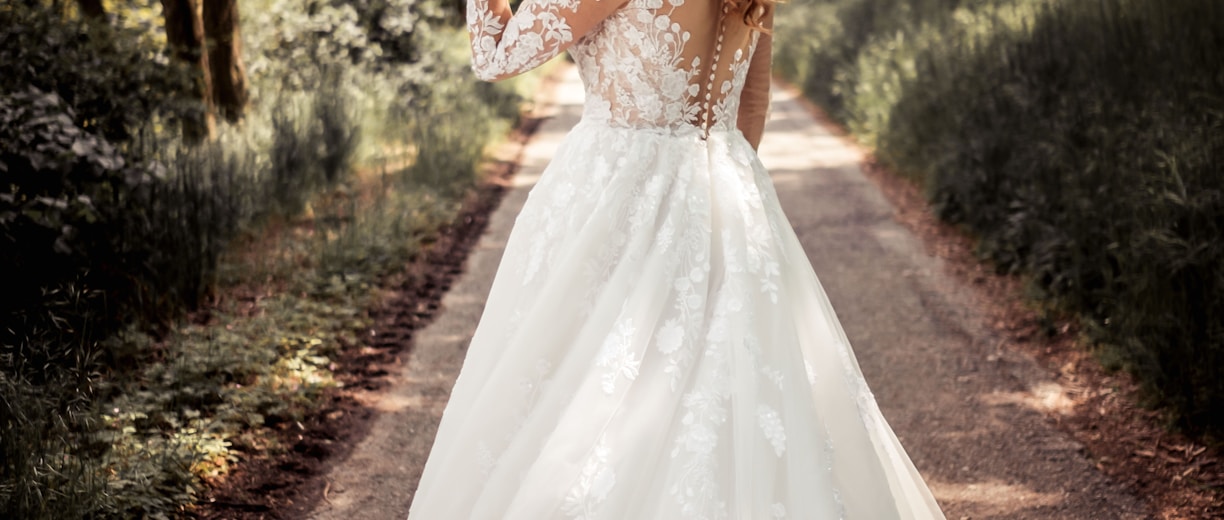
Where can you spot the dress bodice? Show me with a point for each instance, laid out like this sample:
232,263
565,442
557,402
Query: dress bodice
676,65
666,63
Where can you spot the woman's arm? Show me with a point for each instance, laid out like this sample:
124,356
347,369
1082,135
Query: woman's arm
754,101
506,44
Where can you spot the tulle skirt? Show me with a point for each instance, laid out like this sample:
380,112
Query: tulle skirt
657,346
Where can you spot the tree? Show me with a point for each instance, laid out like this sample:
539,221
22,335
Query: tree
205,35
185,36
229,81
92,9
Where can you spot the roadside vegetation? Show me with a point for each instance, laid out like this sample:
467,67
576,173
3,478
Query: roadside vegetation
187,247
1080,142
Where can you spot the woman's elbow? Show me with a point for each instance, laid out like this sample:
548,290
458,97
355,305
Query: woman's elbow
485,72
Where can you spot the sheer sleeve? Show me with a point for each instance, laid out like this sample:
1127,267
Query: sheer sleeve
754,101
506,44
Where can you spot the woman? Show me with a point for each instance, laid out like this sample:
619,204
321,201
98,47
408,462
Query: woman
656,345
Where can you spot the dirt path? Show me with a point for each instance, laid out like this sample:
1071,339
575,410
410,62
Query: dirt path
972,415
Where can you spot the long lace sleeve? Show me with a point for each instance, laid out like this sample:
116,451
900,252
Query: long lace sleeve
754,101
506,44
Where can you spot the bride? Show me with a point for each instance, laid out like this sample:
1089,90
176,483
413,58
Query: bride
655,345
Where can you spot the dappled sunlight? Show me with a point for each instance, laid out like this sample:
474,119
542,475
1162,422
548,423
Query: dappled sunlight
792,143
399,402
788,178
1043,396
456,339
991,498
465,299
525,180
804,151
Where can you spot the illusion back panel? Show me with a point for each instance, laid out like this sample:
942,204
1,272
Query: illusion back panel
667,63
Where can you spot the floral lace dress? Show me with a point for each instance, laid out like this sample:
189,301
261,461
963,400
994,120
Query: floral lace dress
655,345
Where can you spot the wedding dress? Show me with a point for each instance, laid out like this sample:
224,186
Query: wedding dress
655,345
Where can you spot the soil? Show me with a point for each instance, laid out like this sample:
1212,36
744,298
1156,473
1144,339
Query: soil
287,484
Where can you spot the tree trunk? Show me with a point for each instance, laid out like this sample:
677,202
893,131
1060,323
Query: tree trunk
92,9
229,80
185,35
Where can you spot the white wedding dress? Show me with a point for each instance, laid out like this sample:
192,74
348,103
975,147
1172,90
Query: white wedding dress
656,345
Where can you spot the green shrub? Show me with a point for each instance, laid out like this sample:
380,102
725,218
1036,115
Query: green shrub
114,80
1079,141
110,406
58,179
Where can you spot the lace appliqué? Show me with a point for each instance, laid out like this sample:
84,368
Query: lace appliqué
643,73
594,484
771,425
777,511
617,357
541,29
697,492
526,48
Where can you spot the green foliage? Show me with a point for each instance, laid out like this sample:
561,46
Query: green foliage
59,178
93,227
395,27
111,229
220,389
114,80
1080,141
